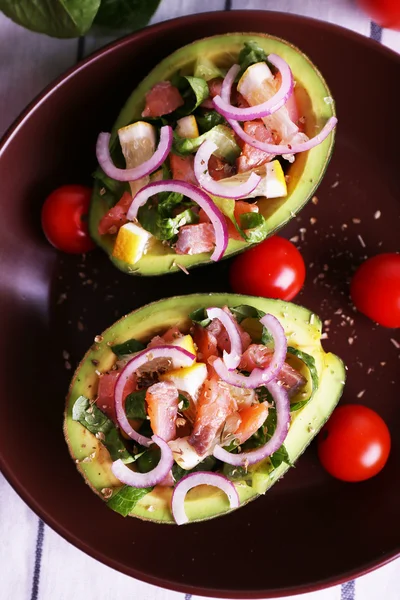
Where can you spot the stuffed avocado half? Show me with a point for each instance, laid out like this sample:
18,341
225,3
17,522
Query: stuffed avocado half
169,377
181,113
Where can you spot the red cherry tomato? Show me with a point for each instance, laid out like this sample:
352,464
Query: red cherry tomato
375,289
64,219
384,12
354,445
273,269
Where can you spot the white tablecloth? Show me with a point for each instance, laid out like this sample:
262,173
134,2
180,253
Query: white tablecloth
35,562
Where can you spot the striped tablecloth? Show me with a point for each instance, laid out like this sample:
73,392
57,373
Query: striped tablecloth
35,562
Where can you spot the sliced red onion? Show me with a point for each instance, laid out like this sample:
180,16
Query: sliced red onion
225,108
175,352
265,147
153,477
259,377
149,166
194,193
232,358
218,188
282,405
193,480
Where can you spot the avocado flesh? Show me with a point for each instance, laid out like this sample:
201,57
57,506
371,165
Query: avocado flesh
202,502
305,173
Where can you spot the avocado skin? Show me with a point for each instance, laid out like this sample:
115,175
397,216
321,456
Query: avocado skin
145,322
305,173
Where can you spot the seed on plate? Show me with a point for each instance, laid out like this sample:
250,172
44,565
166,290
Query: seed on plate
294,239
314,200
356,221
68,365
65,355
98,339
361,241
377,214
313,220
324,336
361,394
395,343
344,226
334,185
350,340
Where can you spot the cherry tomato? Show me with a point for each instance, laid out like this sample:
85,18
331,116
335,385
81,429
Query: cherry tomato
375,289
273,269
354,445
64,219
384,12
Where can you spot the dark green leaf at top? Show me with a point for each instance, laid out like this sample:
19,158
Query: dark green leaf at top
102,427
309,361
244,311
250,55
125,14
164,228
135,405
208,464
57,18
128,347
254,227
126,498
194,90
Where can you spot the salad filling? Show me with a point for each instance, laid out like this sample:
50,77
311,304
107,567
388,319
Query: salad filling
214,398
224,134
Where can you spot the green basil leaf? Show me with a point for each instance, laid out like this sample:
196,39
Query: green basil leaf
167,201
164,228
135,405
184,403
126,14
244,311
254,227
97,422
128,347
206,69
250,55
194,92
126,498
199,316
208,120
309,361
280,456
208,464
58,18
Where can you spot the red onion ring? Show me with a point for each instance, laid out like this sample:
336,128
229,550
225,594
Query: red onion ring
232,358
149,166
184,357
265,147
153,477
194,193
201,478
216,187
259,377
243,459
225,108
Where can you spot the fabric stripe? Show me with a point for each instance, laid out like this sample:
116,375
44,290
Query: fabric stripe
375,32
38,560
81,49
228,4
348,590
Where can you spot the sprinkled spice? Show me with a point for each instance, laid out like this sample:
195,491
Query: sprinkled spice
361,241
314,200
395,343
377,215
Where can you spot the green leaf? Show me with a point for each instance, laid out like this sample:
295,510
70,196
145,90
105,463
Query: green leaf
194,91
184,403
236,473
254,227
250,55
126,14
309,361
57,18
164,228
221,135
135,406
97,422
149,459
125,500
128,347
209,120
167,202
199,316
280,456
208,464
244,311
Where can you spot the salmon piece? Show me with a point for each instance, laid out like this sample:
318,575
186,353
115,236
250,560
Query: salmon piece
205,341
195,239
252,157
162,407
172,334
203,216
241,207
162,99
182,168
219,168
116,216
105,392
252,418
213,407
259,356
219,331
214,86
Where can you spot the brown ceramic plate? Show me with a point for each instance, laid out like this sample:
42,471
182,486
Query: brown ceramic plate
309,531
